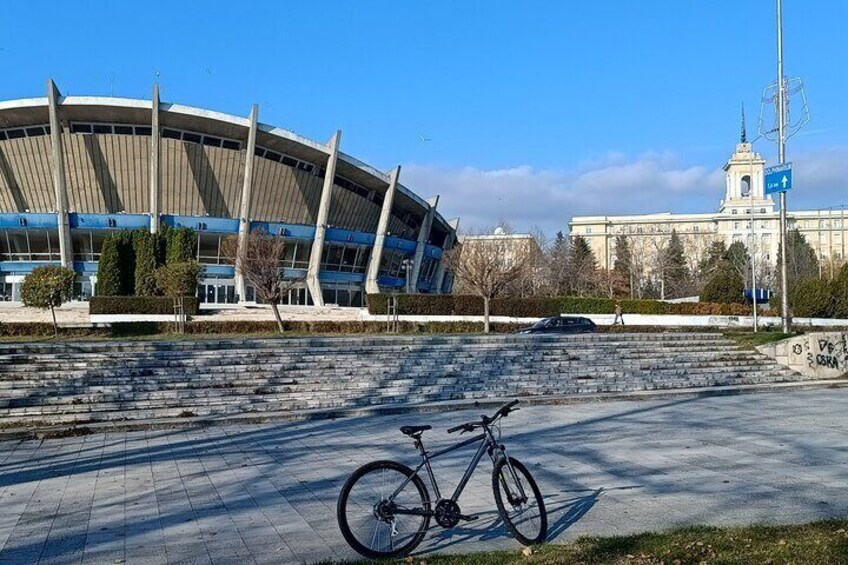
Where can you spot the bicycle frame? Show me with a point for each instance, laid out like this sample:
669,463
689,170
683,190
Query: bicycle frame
487,443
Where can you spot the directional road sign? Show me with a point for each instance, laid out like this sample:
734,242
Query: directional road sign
778,178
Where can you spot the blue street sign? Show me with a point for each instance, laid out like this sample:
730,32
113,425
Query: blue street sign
778,178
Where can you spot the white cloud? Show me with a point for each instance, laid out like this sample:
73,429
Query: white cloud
611,184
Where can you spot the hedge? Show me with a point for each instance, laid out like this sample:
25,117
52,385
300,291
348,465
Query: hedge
135,329
138,305
269,329
468,305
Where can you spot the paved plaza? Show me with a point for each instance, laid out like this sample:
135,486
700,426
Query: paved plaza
267,493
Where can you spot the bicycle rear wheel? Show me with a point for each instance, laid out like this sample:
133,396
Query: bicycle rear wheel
519,501
376,524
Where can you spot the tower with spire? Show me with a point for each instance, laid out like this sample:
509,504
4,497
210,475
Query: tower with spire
744,179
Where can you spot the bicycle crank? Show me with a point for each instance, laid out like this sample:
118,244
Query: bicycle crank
448,514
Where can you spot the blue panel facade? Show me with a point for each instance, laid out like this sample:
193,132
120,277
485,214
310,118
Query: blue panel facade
343,277
23,267
109,221
203,223
85,267
334,280
219,270
390,281
350,236
406,245
298,231
28,220
433,252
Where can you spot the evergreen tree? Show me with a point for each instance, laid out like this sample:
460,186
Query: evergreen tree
840,293
144,245
801,263
181,245
738,258
560,266
675,272
724,287
711,261
109,267
126,257
583,266
622,268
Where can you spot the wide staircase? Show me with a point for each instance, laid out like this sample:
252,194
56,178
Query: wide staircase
129,382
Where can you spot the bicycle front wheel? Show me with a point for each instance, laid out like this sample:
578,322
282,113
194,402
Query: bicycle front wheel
373,521
519,501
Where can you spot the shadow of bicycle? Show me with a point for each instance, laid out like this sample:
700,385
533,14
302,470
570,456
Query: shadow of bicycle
564,510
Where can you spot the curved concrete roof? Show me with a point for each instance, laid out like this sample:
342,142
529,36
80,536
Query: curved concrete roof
178,116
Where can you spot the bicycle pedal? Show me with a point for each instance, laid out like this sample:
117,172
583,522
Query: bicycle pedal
468,518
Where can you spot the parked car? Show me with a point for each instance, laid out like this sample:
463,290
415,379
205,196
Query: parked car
561,325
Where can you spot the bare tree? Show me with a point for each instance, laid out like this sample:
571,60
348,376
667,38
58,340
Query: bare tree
261,265
487,267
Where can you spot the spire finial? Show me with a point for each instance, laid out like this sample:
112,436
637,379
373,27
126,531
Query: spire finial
744,133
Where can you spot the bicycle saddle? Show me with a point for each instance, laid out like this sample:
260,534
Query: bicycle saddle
413,431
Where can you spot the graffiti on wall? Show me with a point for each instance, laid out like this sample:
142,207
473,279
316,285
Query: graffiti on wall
823,351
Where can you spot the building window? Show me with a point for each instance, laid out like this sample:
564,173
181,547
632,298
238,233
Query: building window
588,230
30,131
345,257
29,245
216,248
286,160
734,211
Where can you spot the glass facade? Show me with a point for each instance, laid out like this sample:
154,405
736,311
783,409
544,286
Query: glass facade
29,245
345,257
343,294
216,248
34,245
392,263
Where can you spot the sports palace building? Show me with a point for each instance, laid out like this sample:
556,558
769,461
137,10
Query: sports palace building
74,168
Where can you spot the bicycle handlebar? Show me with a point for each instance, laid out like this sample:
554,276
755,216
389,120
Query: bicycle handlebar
485,420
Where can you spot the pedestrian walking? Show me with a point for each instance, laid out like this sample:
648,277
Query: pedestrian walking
618,315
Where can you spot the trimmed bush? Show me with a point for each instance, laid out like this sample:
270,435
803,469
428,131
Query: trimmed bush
839,287
48,287
139,305
181,245
467,305
109,268
144,245
812,298
725,286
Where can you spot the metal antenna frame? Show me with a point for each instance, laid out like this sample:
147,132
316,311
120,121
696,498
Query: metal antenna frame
791,86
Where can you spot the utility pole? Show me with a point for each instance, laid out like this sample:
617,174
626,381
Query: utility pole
781,149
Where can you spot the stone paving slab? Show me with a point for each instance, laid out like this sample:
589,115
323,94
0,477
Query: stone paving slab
266,493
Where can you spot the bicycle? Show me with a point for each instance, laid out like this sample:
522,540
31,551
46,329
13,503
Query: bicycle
384,508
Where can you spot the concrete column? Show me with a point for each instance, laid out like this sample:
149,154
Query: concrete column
154,162
439,275
312,282
244,208
373,273
58,166
423,238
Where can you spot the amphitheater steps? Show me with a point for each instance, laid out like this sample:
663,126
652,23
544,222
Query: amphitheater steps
115,382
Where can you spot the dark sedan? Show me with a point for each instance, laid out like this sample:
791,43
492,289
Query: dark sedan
561,325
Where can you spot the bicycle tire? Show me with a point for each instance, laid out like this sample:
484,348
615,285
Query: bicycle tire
498,485
342,510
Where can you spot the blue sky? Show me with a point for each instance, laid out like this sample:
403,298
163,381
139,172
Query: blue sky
535,111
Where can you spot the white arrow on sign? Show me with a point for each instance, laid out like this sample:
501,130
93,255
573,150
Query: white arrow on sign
784,181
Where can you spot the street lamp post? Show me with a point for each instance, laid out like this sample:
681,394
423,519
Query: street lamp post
781,146
407,265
